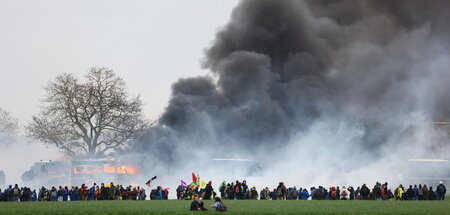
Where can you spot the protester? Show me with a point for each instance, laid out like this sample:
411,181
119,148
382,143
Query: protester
344,193
281,191
264,194
440,191
304,194
253,193
219,205
197,204
431,194
364,192
399,192
209,191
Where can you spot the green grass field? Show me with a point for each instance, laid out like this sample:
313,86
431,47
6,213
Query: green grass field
235,207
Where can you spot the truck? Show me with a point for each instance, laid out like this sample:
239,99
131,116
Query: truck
78,172
89,171
46,173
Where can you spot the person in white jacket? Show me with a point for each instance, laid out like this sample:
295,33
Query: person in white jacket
344,193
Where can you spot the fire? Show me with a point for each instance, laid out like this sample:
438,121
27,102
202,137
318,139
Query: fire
109,169
130,169
86,170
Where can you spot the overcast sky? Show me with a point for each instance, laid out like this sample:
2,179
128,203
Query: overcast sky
150,44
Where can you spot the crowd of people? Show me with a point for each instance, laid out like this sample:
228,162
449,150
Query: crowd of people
231,191
241,191
82,193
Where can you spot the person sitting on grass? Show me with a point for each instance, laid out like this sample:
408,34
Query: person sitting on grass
197,204
219,205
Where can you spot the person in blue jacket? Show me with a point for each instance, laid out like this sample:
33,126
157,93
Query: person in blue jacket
34,196
66,194
92,192
304,195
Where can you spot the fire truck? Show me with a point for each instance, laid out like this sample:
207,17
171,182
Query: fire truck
100,170
77,172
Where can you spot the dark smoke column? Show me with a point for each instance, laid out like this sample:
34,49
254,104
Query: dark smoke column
279,67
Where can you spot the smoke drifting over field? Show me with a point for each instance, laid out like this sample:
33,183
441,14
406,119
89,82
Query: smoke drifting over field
317,91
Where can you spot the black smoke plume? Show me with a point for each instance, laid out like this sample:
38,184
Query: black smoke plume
322,81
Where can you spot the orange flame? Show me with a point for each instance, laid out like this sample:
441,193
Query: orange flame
130,169
109,169
86,170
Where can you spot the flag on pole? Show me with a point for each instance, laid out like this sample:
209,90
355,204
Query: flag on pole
148,183
183,183
194,178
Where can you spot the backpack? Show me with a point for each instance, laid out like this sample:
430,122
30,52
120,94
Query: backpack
280,192
223,207
16,191
333,194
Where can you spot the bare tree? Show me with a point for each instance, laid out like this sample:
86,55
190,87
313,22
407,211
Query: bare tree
88,118
8,127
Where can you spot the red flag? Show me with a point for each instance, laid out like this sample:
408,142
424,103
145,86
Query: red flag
194,178
148,182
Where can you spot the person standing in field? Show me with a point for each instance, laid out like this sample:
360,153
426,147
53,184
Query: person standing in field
351,190
304,195
416,192
384,191
264,194
84,192
53,194
222,189
253,193
399,192
66,194
92,192
365,191
431,194
420,192
208,190
230,191
244,189
358,193
16,193
410,193
237,190
281,191
112,191
60,194
440,191
344,193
